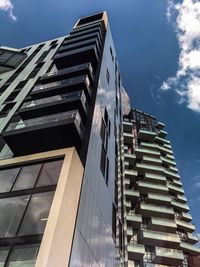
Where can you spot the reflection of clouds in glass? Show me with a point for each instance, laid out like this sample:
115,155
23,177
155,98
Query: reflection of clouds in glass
7,178
12,210
38,210
103,98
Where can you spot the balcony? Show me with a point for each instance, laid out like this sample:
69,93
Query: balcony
181,198
186,217
130,158
151,160
161,140
85,32
154,238
152,177
70,47
162,134
168,256
185,226
127,126
146,135
62,87
145,187
128,138
158,199
150,210
71,72
140,152
135,251
171,175
77,56
162,225
44,133
149,146
10,58
131,194
142,168
127,183
175,189
55,104
90,26
173,169
180,206
170,157
186,247
165,150
131,174
134,220
192,239
168,162
72,39
177,183
160,125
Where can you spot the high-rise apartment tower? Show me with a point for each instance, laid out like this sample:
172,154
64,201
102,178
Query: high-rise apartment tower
76,187
157,228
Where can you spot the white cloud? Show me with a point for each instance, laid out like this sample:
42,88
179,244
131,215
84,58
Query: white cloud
186,82
197,185
7,6
170,7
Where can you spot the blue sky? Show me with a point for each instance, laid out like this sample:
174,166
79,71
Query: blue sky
158,47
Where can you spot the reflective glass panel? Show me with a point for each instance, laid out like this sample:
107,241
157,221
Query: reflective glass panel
27,177
3,256
50,173
11,210
37,214
7,178
23,256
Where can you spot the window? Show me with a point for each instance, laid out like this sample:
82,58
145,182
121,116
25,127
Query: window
35,70
114,222
104,133
12,209
107,76
107,170
103,160
23,256
42,57
7,178
37,213
3,256
111,53
50,173
27,177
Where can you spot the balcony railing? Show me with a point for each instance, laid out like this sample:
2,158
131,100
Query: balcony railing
66,82
52,99
154,238
69,70
135,251
146,135
155,177
192,250
155,210
146,187
44,120
189,227
142,151
165,225
168,256
158,198
134,220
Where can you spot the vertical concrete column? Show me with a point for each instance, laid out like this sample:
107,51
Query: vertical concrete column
57,240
